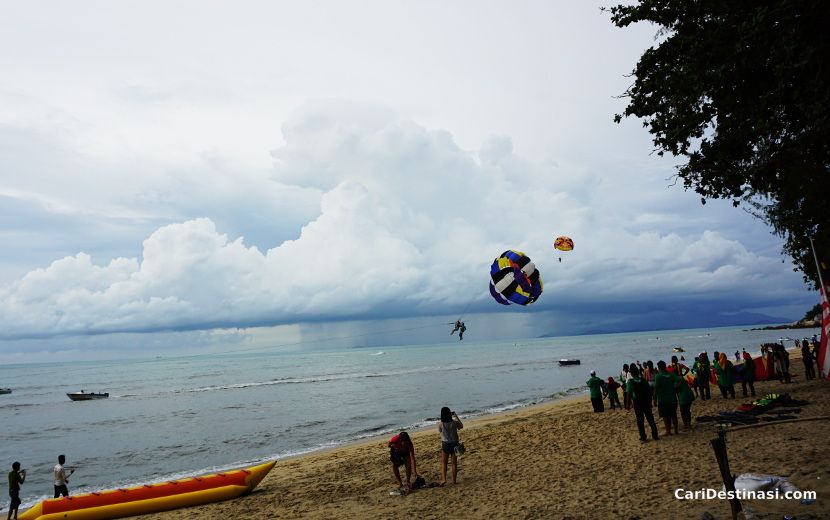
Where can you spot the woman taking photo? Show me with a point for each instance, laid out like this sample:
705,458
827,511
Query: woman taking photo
449,426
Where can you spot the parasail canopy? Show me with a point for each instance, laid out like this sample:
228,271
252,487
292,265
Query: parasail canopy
563,244
514,279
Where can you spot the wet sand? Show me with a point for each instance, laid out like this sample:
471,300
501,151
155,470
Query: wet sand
558,460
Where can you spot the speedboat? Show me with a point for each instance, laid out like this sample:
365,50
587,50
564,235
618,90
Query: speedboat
5,390
677,349
87,396
566,362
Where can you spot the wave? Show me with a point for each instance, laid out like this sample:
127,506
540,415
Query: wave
337,376
378,353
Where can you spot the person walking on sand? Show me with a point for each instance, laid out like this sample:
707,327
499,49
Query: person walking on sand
402,453
640,393
726,377
595,386
61,477
449,426
17,476
665,386
613,398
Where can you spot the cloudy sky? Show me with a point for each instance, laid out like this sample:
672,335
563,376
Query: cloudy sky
198,176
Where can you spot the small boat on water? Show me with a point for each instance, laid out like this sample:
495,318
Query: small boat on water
87,396
677,349
151,498
566,362
5,390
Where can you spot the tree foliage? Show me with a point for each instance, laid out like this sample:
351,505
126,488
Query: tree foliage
741,91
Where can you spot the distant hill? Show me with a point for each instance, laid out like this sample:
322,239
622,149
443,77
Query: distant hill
672,321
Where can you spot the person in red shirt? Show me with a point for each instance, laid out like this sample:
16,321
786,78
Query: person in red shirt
402,453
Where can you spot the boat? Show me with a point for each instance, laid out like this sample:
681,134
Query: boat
677,349
566,362
87,396
5,390
151,498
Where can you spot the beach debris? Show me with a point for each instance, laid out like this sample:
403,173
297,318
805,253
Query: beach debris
759,482
514,279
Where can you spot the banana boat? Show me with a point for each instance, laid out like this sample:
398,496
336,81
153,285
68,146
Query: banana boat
151,498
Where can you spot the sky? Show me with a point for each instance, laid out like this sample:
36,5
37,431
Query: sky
189,177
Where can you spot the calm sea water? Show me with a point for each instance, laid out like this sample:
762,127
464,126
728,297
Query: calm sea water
172,417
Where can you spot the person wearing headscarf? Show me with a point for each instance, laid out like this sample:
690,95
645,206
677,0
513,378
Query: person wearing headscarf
726,378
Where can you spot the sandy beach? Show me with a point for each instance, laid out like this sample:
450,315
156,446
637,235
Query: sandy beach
557,460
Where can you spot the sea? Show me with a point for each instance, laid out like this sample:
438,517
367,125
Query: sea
171,417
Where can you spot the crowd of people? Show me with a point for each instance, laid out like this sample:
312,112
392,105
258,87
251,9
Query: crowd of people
675,386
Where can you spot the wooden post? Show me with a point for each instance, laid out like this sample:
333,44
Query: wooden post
719,447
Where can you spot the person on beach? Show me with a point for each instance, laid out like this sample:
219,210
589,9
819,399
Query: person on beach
17,476
595,386
726,378
704,375
807,359
648,374
625,375
665,386
748,374
613,398
449,426
640,393
61,477
677,367
695,376
402,453
781,362
685,398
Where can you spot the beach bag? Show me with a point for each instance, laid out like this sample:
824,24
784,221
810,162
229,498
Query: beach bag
459,449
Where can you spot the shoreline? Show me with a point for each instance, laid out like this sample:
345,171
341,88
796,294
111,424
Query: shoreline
554,460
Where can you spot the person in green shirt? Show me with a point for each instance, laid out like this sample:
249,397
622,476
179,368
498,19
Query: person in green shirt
665,386
726,377
640,392
685,397
595,385
16,477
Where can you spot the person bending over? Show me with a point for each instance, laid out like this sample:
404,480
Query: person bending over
402,453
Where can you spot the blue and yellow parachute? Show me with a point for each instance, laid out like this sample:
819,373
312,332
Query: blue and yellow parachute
514,279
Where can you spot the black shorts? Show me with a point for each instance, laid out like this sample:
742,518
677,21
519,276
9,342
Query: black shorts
15,496
448,447
667,409
61,490
398,459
